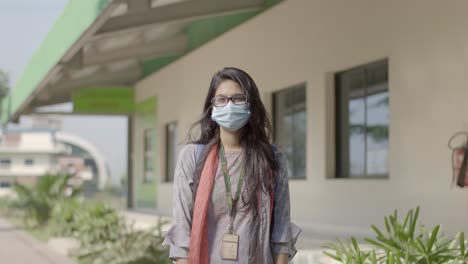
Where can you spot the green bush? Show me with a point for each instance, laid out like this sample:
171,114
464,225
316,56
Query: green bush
64,217
132,246
96,223
403,242
87,222
104,236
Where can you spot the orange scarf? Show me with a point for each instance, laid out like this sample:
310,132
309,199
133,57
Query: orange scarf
198,249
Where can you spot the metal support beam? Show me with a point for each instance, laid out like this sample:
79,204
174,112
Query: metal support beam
148,50
74,62
122,77
178,12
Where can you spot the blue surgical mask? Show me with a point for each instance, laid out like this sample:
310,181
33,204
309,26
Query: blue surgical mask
231,117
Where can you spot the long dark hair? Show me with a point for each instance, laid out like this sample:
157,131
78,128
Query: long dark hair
258,157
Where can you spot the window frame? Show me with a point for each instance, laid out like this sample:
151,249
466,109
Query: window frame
169,169
29,162
338,125
148,153
5,163
275,112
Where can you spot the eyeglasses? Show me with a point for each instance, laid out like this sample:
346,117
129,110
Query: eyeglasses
221,100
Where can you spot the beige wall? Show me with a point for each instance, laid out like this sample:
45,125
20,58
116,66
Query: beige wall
41,164
297,41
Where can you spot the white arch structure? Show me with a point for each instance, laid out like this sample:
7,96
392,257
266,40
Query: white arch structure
103,173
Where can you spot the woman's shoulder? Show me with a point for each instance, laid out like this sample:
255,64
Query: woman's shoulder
186,161
189,150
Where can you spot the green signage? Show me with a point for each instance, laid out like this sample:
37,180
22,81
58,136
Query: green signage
104,100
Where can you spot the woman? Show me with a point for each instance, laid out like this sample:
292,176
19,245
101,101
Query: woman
231,192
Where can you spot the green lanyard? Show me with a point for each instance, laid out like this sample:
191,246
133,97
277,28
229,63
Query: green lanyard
231,203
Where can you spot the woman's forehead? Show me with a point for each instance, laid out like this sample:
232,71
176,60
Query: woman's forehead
228,88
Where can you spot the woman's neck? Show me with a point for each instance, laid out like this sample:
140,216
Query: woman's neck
230,140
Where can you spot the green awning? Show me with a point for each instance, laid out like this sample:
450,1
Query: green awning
115,43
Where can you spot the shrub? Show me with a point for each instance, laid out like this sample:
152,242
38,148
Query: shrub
132,246
104,236
404,242
87,222
97,222
64,217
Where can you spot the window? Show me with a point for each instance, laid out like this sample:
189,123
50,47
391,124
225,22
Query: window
28,162
289,117
171,149
362,121
148,155
5,163
5,184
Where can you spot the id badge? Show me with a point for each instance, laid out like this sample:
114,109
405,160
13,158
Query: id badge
230,246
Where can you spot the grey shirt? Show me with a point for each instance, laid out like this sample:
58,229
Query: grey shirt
281,239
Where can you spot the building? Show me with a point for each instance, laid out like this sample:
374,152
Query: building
364,95
26,154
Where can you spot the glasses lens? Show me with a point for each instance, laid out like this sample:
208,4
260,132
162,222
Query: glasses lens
220,100
239,99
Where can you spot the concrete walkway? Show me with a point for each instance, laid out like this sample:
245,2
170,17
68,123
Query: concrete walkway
18,247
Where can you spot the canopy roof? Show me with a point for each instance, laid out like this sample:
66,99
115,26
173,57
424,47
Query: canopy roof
114,43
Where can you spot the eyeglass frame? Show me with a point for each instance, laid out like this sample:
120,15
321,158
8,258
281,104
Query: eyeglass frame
229,99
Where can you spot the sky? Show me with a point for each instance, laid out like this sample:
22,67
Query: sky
23,26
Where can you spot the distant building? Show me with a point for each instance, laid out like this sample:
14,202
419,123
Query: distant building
26,154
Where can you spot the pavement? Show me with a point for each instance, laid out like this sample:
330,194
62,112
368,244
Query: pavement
18,247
